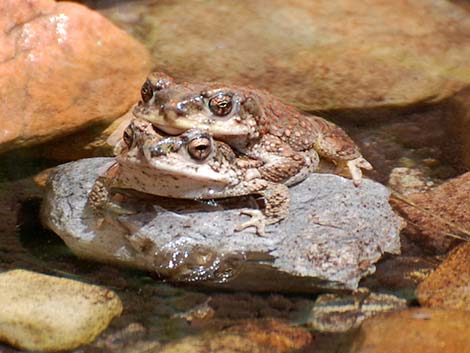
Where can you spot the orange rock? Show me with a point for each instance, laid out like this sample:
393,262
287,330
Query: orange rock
420,330
437,217
449,285
63,67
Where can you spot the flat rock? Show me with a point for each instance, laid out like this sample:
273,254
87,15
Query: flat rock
333,236
63,67
46,313
318,55
418,330
438,219
449,285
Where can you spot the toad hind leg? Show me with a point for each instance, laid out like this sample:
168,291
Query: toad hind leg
354,166
333,143
277,202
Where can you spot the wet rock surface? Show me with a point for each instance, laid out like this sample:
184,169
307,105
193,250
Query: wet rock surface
328,241
438,219
414,330
449,285
45,313
63,67
319,55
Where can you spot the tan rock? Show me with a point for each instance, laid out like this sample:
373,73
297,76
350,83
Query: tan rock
440,218
63,67
319,55
449,285
45,313
419,330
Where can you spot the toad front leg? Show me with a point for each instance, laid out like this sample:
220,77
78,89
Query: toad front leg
277,200
100,200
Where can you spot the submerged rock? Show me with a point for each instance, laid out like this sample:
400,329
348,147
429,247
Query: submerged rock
45,313
334,234
269,336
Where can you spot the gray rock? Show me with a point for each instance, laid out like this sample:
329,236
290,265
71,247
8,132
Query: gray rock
334,234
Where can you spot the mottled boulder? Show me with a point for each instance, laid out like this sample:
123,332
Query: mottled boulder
333,236
449,285
63,67
318,55
46,313
438,219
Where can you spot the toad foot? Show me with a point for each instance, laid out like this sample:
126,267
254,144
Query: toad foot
354,166
258,220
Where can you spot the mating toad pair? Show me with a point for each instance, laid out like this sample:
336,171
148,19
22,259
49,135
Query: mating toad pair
209,141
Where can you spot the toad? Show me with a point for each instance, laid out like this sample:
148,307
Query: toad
252,122
191,165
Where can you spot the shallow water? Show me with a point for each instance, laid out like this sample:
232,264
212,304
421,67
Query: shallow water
419,137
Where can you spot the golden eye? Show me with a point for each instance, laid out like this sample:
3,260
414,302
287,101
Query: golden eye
200,148
128,136
147,91
221,104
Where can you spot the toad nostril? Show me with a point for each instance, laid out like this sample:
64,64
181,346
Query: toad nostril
171,111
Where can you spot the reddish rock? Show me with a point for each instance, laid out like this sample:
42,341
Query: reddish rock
438,218
62,67
449,285
420,330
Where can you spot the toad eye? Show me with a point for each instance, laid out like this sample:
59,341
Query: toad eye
146,91
221,104
128,136
200,148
